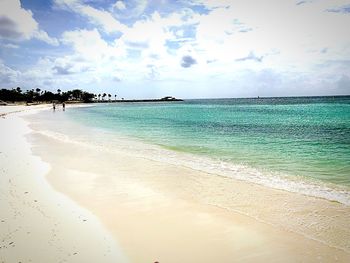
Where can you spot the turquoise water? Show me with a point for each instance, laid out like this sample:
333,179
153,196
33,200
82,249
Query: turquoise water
300,137
296,144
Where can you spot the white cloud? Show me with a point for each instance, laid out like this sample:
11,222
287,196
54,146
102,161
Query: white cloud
286,35
140,51
92,59
129,9
17,23
119,5
156,32
89,45
43,36
101,18
10,46
8,76
67,4
211,4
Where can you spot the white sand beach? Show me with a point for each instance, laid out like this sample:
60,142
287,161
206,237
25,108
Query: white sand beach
174,131
67,202
38,224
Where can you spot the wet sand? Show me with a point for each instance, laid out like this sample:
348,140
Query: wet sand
170,213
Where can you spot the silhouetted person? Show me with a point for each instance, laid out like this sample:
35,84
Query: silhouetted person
53,106
64,106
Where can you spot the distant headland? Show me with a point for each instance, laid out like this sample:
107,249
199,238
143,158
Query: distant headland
36,96
164,99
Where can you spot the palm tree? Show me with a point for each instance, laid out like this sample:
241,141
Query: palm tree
77,94
103,96
99,96
37,93
59,91
19,90
109,96
115,97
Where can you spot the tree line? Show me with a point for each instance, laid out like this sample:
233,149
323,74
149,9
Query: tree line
38,95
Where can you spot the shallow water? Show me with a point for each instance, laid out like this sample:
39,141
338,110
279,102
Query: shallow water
296,144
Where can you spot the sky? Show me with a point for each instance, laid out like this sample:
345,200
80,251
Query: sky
181,48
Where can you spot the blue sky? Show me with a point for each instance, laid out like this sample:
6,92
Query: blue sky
187,49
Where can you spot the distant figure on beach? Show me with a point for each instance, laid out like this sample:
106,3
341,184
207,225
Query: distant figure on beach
63,106
53,106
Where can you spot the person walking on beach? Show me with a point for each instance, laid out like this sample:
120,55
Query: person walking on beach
53,106
63,106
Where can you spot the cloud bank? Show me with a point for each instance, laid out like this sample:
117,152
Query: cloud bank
197,48
18,24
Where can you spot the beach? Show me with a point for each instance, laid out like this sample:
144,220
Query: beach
166,131
38,224
128,207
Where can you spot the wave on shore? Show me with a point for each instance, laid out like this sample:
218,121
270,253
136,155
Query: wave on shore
218,167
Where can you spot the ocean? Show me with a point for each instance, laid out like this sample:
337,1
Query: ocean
298,144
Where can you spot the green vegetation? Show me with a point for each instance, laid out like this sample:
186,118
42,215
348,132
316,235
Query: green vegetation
38,95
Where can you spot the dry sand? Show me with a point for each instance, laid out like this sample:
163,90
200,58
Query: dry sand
38,224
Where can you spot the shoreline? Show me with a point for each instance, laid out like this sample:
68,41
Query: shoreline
165,196
309,187
39,224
